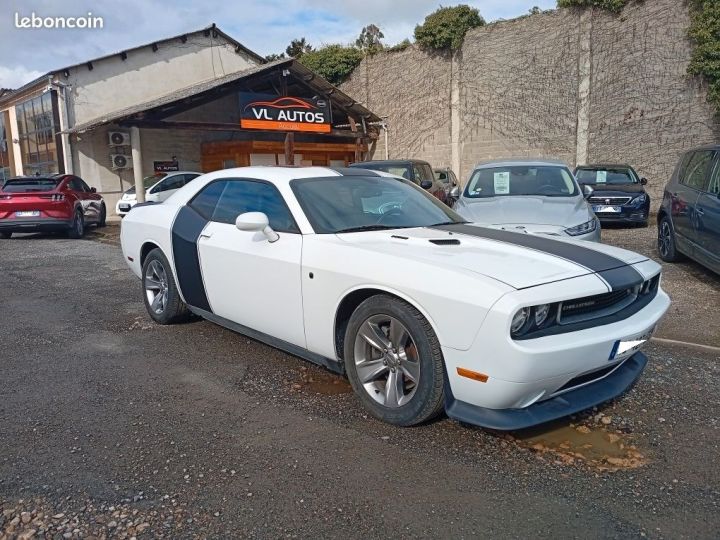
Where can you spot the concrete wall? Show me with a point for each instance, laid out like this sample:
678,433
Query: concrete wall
578,85
146,75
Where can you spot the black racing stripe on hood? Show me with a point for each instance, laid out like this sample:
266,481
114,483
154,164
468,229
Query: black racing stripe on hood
618,274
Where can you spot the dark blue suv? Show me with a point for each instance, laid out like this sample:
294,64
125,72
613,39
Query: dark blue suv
689,218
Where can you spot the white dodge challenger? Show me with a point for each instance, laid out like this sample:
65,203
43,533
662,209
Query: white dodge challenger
370,276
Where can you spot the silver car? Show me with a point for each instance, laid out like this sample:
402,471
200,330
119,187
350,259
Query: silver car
532,196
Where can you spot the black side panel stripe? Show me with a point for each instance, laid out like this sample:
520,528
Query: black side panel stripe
617,273
185,234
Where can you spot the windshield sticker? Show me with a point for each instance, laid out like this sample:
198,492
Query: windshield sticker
502,183
601,177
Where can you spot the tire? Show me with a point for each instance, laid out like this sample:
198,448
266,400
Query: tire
103,217
77,229
417,356
667,248
158,280
6,235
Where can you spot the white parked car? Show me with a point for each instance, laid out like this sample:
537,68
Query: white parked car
350,269
531,196
158,187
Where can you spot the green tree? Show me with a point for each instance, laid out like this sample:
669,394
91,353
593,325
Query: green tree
610,5
298,47
333,62
446,27
404,44
535,10
705,34
369,39
273,57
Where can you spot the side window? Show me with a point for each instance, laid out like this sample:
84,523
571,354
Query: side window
75,185
240,196
714,187
695,170
428,173
85,187
204,203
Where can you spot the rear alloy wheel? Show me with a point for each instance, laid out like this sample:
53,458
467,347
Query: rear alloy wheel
77,229
5,235
162,299
393,361
666,241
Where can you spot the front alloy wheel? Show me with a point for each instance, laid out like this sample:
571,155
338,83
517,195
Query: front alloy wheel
666,241
386,361
162,298
394,362
156,286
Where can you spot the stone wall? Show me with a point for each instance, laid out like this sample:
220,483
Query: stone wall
576,85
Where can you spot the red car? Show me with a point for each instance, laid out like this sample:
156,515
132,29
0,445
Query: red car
58,202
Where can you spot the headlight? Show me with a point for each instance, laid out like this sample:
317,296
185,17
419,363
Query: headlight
519,320
541,314
583,228
640,199
530,319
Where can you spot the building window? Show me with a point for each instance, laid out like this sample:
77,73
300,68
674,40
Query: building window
36,131
5,171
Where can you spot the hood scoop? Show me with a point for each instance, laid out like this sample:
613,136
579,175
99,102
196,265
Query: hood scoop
445,241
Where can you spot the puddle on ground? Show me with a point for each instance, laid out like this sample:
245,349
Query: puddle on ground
321,382
593,446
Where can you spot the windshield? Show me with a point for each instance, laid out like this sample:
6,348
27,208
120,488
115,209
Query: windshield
352,203
149,181
522,180
606,176
25,185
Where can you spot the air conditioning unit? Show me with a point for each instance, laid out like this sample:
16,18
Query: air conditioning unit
119,138
121,161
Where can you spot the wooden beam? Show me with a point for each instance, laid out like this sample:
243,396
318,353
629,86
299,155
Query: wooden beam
290,148
221,126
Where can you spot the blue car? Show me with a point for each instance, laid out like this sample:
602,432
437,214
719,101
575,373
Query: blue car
689,217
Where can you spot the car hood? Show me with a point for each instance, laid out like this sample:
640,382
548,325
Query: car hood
561,212
511,263
617,189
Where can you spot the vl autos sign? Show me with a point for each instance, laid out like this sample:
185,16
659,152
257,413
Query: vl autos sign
284,113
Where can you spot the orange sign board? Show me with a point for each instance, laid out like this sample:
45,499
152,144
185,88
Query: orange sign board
284,126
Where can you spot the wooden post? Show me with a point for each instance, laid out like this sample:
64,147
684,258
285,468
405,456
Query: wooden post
290,148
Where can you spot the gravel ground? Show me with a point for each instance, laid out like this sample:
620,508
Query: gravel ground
111,426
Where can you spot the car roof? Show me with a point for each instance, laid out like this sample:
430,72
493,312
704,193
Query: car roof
388,162
605,166
515,162
283,175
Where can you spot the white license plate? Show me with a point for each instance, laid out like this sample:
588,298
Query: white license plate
27,213
625,348
124,207
607,209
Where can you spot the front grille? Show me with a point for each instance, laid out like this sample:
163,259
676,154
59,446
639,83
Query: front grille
610,201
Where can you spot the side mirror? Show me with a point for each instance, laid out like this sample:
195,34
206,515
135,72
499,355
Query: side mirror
93,190
643,181
426,184
588,191
256,222
455,192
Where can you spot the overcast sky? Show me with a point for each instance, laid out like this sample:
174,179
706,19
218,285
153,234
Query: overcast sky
265,26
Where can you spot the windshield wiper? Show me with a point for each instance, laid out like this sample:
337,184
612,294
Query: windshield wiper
447,223
370,228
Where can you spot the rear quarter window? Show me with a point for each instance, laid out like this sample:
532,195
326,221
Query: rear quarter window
695,168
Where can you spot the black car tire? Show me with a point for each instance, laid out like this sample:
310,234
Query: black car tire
6,235
175,310
103,217
667,248
77,229
428,398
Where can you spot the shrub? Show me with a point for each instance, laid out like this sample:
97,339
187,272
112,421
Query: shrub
611,5
333,62
705,33
446,27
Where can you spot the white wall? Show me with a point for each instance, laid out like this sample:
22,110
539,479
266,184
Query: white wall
114,84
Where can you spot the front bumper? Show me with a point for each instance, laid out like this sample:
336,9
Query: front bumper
627,214
613,385
34,225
